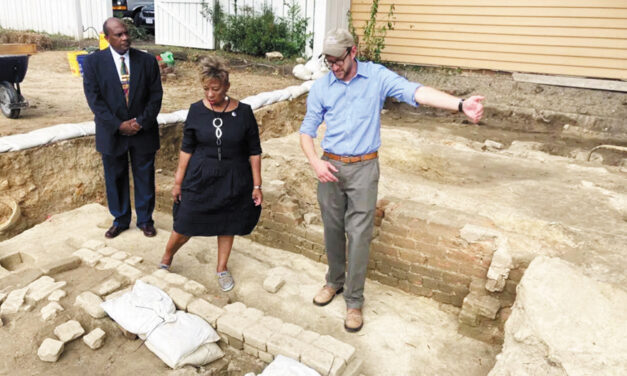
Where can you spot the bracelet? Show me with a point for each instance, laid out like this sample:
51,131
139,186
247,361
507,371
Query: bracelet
460,106
257,187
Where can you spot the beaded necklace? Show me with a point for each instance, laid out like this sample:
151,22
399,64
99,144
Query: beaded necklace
217,124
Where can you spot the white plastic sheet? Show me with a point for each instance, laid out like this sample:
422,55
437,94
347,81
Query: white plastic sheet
284,366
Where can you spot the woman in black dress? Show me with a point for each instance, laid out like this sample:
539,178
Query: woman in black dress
217,185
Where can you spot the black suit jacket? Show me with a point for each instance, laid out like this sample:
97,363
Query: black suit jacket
105,97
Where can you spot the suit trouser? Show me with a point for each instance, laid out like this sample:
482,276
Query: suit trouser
348,208
118,191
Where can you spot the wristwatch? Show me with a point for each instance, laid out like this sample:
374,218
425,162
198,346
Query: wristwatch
257,187
460,106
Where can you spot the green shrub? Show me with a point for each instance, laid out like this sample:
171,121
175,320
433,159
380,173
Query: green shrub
256,33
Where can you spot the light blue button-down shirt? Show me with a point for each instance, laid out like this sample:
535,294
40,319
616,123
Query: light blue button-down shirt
352,110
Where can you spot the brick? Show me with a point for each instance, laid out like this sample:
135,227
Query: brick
175,279
318,359
129,272
353,368
484,305
119,255
313,255
399,274
194,287
412,256
273,283
180,298
266,356
280,344
41,288
436,284
117,294
420,290
315,233
93,244
13,302
160,273
95,338
56,295
248,349
287,219
87,256
332,345
237,307
235,342
272,323
308,336
50,310
455,278
107,263
253,314
291,330
50,350
134,260
107,287
383,278
338,367
384,248
233,324
69,331
443,297
206,310
61,265
107,251
257,335
154,281
90,303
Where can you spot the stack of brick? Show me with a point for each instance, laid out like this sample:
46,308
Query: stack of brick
167,72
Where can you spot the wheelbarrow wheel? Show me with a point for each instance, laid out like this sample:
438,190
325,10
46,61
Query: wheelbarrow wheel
8,95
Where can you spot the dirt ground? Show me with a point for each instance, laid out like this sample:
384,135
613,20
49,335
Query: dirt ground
56,96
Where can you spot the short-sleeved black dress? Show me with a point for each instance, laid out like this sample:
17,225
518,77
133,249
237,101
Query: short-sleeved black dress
216,195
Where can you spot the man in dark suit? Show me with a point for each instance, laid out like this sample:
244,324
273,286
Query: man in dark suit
123,90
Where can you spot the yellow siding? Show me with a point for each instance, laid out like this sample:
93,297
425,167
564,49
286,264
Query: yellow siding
568,37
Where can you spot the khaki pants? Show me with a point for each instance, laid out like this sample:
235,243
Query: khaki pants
348,208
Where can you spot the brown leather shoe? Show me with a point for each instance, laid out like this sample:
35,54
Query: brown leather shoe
149,230
114,231
354,320
326,295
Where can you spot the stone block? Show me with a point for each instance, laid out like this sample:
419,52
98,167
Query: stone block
119,255
290,329
233,324
157,282
68,331
129,272
338,367
257,335
107,263
107,251
318,359
3,295
180,298
107,287
118,293
484,305
273,283
57,295
50,350
272,323
41,288
14,301
266,356
353,368
88,256
308,336
134,260
95,339
160,273
175,279
206,310
93,244
248,349
284,345
90,302
332,345
235,343
62,265
236,307
194,287
253,314
50,310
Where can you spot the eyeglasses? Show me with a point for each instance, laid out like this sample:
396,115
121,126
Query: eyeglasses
339,62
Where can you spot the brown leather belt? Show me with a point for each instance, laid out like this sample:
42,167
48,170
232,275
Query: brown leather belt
351,159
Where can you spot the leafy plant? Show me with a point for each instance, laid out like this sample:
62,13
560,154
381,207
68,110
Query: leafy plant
373,41
256,33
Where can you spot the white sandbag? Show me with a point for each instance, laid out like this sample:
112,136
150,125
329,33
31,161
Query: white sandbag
205,354
284,366
282,95
318,74
253,101
175,340
308,84
172,117
314,65
299,71
142,309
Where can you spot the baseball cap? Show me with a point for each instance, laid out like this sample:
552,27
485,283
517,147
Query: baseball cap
336,42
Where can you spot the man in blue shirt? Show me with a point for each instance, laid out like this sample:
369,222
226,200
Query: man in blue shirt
349,100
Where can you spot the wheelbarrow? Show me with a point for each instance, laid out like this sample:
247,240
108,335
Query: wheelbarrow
12,71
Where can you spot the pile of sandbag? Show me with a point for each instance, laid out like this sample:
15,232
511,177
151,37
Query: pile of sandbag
312,70
176,337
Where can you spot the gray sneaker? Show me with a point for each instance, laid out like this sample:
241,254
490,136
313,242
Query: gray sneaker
225,280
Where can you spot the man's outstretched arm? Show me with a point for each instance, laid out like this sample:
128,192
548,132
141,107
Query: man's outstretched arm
472,107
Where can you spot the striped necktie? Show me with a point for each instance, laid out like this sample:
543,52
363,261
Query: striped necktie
124,78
